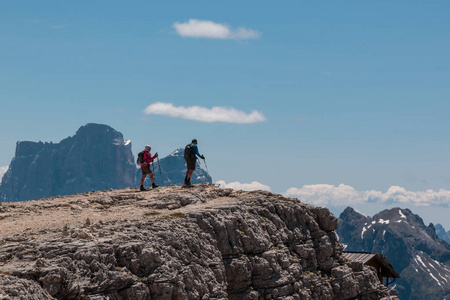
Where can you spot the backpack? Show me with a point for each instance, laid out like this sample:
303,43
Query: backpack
140,159
189,151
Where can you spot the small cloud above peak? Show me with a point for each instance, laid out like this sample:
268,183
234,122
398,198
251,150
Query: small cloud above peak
204,114
208,29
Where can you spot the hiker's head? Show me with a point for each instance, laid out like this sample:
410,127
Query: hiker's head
194,141
148,148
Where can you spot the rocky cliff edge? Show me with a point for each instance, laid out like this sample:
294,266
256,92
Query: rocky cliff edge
176,243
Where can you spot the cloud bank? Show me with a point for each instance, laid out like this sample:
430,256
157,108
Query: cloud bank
210,30
343,195
243,186
203,114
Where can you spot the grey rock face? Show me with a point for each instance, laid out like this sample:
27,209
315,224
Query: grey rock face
199,243
414,250
95,158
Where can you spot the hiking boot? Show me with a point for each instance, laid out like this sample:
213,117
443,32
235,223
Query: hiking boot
142,188
154,185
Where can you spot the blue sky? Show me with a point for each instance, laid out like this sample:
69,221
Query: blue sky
351,98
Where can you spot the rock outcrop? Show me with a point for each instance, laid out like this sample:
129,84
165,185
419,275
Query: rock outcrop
176,243
96,158
415,251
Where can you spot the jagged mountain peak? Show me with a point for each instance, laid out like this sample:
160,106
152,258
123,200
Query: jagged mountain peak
415,251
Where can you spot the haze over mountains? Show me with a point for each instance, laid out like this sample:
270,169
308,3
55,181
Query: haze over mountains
414,249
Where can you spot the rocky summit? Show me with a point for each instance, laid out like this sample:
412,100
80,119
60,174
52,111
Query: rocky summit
176,243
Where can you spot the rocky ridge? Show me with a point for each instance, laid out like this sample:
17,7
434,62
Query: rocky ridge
176,243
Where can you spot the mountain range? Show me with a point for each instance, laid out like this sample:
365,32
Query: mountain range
96,158
415,251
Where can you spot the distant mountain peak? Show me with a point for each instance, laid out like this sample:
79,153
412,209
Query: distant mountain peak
96,158
415,251
442,234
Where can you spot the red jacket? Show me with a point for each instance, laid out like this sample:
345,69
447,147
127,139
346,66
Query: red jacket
148,158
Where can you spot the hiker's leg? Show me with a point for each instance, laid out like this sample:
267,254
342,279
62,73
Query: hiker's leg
191,167
152,178
143,178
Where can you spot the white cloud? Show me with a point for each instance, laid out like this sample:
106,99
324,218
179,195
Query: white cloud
243,186
208,29
325,194
203,114
341,195
2,172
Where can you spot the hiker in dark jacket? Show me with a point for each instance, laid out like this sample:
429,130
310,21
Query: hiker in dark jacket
145,167
190,155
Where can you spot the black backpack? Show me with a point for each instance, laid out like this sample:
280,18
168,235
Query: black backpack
140,159
189,151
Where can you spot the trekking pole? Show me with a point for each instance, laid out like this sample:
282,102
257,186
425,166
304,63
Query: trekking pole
207,171
159,167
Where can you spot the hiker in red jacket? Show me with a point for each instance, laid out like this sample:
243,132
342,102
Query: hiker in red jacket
145,167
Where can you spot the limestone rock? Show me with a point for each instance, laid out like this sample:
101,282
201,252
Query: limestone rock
173,243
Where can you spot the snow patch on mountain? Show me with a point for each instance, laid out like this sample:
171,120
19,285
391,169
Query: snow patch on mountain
362,232
2,172
176,152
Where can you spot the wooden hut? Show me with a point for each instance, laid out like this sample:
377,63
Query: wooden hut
379,262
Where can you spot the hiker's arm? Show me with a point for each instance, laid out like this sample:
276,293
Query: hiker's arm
196,151
148,157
